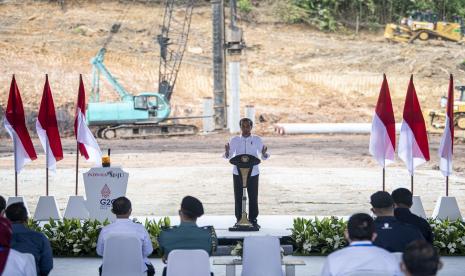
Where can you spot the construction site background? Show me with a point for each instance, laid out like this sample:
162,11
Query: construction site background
290,72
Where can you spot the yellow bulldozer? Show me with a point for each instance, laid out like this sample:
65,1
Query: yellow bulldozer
437,118
424,26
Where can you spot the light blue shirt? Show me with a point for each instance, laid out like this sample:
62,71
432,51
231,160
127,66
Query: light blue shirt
126,226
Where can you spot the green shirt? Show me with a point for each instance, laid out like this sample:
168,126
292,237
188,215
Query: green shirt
187,235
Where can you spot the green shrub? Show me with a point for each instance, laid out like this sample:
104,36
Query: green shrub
154,228
244,6
315,236
449,236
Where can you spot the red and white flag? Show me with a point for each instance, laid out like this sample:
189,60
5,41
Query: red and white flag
413,140
447,141
88,146
15,124
383,128
47,128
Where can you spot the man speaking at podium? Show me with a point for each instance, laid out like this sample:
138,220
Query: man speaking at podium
246,143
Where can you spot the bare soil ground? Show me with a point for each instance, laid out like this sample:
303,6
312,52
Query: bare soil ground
306,175
291,73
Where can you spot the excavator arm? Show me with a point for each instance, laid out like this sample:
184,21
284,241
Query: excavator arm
99,68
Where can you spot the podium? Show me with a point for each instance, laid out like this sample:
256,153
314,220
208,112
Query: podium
103,186
244,164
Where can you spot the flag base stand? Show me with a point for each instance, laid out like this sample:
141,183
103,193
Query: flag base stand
15,199
447,208
76,208
47,208
417,207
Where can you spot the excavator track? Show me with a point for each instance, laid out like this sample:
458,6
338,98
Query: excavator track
144,131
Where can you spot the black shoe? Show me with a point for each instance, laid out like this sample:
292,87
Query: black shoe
256,225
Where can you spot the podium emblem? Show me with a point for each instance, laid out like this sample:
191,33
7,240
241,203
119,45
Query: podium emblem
106,192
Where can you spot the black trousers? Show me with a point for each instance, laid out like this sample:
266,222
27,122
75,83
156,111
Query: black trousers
150,270
252,191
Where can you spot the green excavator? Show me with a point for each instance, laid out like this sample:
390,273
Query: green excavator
148,113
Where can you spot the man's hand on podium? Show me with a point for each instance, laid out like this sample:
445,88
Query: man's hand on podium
226,150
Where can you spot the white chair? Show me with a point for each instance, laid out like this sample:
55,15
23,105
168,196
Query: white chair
122,256
261,257
368,273
188,263
31,264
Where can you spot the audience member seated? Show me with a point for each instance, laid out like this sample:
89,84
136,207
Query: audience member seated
12,262
403,202
420,259
122,209
392,234
2,206
361,255
26,240
188,235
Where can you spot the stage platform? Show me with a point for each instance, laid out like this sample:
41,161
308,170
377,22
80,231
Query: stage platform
278,226
271,225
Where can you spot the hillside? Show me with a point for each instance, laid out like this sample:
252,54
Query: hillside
291,73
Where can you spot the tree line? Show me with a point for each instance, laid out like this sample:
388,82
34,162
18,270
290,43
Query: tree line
333,14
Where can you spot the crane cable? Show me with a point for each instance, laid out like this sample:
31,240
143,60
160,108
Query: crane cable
122,18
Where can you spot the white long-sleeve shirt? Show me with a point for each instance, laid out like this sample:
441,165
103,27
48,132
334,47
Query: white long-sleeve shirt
252,145
126,226
360,256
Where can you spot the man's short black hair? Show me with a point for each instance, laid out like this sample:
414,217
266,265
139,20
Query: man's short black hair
361,227
121,206
402,196
192,207
16,212
381,200
246,120
421,259
2,204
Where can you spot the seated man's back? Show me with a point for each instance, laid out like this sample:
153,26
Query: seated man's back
122,208
360,256
403,201
393,235
186,236
26,240
126,226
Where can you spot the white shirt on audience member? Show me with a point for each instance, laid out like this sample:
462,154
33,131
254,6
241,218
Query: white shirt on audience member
17,265
360,255
252,145
126,226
